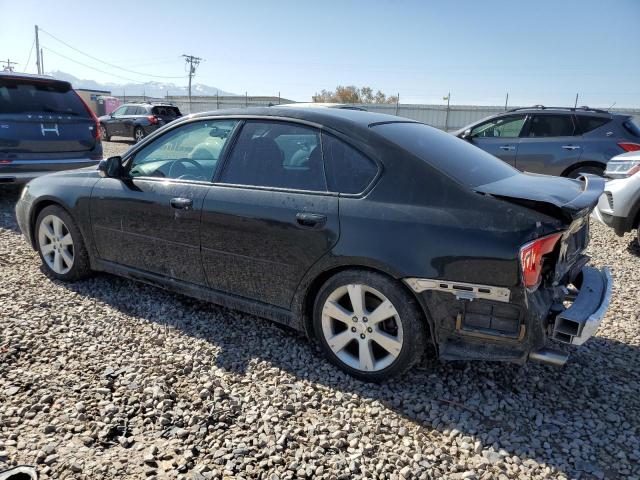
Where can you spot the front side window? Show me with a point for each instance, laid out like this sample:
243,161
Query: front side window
551,126
189,152
504,127
276,154
118,112
348,171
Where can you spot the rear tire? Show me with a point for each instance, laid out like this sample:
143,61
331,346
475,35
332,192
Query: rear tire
138,134
103,134
576,172
60,245
376,342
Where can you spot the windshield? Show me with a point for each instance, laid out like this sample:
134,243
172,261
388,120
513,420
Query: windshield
20,96
460,160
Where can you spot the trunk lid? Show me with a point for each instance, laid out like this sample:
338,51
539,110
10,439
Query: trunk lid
563,198
41,116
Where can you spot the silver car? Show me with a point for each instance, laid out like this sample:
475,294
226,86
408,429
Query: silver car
619,205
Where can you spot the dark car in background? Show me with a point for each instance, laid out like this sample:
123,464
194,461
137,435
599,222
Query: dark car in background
44,127
555,141
374,234
137,120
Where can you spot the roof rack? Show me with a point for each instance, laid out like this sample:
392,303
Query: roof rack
572,109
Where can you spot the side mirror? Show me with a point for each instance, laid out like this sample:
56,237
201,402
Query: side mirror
111,167
466,135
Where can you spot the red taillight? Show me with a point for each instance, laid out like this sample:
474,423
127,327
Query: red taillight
531,258
629,146
4,161
96,128
153,119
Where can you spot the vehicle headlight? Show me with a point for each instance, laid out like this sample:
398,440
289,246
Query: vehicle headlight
622,168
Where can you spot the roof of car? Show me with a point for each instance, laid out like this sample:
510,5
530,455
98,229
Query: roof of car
542,108
30,76
347,106
338,118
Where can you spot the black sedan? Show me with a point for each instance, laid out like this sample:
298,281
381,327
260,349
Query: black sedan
373,234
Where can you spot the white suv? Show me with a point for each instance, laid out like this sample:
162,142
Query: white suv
619,205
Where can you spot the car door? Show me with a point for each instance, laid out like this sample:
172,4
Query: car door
268,218
114,122
499,136
150,219
550,145
129,118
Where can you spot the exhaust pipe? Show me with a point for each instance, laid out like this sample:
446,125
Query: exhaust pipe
549,357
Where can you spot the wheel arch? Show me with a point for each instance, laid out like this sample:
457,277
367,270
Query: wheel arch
40,205
587,163
303,304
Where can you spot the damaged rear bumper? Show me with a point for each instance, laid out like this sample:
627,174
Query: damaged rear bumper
579,322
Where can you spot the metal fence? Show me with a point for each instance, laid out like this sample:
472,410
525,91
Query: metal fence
453,118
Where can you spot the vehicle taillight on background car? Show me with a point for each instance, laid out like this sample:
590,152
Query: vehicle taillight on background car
96,128
531,255
153,119
629,146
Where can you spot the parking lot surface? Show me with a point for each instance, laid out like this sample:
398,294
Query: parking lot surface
107,378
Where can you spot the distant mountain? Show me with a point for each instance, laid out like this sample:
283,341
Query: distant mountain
150,89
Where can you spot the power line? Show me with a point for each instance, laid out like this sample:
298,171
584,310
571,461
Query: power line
26,65
106,63
91,67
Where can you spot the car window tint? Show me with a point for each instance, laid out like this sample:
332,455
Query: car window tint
166,111
348,171
131,110
276,154
589,123
506,127
189,152
119,111
20,96
551,126
141,111
458,159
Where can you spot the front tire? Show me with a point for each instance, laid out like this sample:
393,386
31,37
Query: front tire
368,325
60,245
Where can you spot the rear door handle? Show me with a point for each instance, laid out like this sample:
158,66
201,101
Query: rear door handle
570,147
311,220
182,203
507,147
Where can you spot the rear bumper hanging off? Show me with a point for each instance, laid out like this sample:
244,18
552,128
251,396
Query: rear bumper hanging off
579,322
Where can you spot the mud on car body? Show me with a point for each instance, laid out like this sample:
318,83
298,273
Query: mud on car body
374,234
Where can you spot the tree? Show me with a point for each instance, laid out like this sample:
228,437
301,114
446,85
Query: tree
353,94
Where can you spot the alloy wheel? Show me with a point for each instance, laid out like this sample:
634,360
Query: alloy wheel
139,134
56,244
103,132
362,327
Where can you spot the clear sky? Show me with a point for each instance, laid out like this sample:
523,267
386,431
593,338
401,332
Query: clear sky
541,51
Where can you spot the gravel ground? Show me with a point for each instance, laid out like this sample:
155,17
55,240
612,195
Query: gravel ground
107,378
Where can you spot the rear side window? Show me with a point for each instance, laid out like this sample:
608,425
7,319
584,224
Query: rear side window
276,154
632,127
552,126
348,171
589,123
166,111
20,96
458,159
131,110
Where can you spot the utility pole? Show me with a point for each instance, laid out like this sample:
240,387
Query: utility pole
506,101
446,118
193,63
397,102
41,62
8,65
38,52
575,105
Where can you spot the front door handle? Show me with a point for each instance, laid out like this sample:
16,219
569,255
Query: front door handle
310,220
570,147
182,203
508,148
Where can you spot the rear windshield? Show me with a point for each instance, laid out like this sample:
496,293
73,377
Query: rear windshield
20,96
632,127
457,158
166,111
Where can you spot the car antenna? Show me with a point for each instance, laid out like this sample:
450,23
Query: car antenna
611,106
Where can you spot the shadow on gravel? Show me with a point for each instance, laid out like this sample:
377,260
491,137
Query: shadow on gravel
9,195
550,415
634,246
